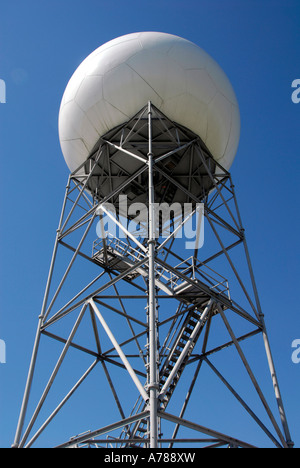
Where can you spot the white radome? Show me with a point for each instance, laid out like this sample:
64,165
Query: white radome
119,78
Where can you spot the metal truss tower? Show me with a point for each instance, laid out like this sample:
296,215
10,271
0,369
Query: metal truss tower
155,316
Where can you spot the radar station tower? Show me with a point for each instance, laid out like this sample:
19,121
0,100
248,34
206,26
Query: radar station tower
150,286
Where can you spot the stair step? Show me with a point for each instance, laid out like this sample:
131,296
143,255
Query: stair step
142,429
180,344
195,315
185,337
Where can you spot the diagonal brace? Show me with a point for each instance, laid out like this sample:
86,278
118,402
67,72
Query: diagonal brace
119,351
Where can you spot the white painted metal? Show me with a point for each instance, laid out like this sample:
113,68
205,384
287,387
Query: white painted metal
198,295
119,351
113,83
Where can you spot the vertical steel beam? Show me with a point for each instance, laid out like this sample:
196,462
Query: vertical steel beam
152,306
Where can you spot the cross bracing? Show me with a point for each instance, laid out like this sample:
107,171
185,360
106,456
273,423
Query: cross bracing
145,307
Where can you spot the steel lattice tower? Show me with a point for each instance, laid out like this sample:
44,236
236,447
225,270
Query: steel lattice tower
154,309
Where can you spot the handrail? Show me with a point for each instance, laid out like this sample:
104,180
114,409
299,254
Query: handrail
192,267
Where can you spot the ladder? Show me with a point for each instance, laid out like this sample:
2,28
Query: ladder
175,362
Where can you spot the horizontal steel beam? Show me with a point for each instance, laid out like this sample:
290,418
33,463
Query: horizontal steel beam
123,422
204,430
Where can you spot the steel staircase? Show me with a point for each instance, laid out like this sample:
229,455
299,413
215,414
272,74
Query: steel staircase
195,285
174,364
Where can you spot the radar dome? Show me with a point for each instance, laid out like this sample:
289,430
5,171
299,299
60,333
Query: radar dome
119,78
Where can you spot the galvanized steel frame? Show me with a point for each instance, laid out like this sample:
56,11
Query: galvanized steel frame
153,392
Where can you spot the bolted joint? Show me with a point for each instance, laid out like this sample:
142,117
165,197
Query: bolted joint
153,386
151,241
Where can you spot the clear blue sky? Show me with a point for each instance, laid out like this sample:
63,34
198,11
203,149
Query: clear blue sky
257,43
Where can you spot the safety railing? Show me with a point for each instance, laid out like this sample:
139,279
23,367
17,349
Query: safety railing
191,268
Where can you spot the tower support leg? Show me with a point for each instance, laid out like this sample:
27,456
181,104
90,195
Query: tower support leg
152,305
38,332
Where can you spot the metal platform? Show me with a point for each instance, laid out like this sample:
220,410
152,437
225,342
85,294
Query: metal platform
179,154
190,280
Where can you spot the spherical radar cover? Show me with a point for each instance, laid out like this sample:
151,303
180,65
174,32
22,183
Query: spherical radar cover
119,78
